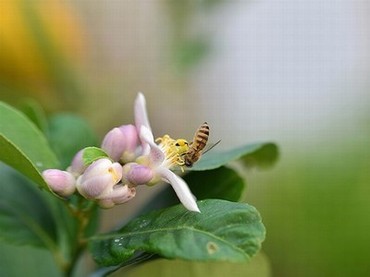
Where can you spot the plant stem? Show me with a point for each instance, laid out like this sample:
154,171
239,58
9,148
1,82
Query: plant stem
82,216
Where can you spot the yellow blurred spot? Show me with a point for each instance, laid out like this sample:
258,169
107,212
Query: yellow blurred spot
23,62
212,247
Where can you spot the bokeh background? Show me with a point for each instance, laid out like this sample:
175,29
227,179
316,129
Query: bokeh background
293,72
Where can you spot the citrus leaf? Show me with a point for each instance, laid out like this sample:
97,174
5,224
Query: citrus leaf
259,266
91,154
223,231
25,216
67,135
258,154
264,157
26,261
222,183
33,110
23,146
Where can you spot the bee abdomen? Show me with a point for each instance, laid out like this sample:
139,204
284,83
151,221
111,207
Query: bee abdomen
202,136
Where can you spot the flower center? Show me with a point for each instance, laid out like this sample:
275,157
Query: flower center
174,150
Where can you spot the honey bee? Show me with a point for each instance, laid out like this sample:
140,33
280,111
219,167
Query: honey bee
197,145
190,153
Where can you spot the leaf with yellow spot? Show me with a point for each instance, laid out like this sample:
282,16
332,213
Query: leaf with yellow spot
223,231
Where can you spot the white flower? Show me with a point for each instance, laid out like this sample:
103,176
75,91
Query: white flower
160,158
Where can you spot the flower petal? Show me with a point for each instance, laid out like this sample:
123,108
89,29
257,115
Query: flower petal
180,187
60,182
95,187
77,166
156,155
136,174
119,195
141,116
141,119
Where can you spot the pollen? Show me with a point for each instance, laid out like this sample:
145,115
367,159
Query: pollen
173,149
113,173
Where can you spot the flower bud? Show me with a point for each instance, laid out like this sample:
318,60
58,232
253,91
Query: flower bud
136,174
77,166
119,195
99,178
60,182
121,143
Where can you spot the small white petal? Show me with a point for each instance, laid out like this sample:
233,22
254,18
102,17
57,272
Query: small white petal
147,135
156,154
141,116
181,188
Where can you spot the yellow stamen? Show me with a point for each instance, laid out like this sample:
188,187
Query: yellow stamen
174,150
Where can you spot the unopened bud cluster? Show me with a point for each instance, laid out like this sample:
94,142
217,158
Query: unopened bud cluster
109,181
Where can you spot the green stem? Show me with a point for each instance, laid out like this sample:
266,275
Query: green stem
82,216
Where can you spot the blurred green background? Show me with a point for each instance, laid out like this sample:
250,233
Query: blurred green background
292,72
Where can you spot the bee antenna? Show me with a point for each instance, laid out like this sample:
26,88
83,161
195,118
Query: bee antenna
212,146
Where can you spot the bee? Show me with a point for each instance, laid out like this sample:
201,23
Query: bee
196,147
190,153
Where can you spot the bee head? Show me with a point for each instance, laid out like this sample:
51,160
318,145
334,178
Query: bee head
182,146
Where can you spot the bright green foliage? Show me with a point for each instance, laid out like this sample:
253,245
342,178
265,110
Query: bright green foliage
223,231
23,146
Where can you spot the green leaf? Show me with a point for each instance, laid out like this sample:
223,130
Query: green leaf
35,113
25,217
23,146
91,154
223,231
265,157
258,154
222,183
68,135
258,266
26,261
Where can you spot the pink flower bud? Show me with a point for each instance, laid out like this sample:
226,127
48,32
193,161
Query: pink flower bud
99,179
119,195
60,182
136,174
121,143
77,166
